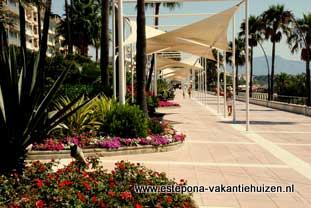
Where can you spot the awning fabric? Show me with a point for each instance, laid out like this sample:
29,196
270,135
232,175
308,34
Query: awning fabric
163,63
197,37
150,32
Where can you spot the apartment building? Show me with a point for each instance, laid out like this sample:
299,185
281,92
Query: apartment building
55,43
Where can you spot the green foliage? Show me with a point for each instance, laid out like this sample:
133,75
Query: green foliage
155,127
125,121
89,117
82,120
90,72
290,85
24,106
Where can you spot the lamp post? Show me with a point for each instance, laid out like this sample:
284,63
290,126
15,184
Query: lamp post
247,63
218,82
121,53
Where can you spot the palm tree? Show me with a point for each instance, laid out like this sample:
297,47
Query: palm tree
171,6
141,56
239,57
104,42
300,39
255,38
276,20
82,15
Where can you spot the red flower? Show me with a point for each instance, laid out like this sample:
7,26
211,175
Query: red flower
39,183
81,197
169,199
65,183
87,186
186,205
138,206
94,199
121,165
111,193
126,195
39,204
85,174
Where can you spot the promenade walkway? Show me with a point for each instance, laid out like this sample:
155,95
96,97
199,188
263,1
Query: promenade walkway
276,152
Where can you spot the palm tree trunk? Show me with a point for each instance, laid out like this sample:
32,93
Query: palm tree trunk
69,41
237,78
251,73
39,20
156,24
308,90
104,43
44,45
141,56
22,24
272,72
96,54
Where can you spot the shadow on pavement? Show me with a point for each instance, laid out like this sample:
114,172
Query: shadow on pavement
262,122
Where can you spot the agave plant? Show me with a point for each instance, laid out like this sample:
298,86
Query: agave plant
89,117
23,107
82,120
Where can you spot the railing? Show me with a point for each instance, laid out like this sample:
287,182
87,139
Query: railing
278,98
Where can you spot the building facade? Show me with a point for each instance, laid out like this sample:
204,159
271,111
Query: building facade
55,42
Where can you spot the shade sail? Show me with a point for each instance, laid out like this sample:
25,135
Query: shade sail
197,37
163,63
150,32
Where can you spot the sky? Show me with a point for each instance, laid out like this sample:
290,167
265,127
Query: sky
298,7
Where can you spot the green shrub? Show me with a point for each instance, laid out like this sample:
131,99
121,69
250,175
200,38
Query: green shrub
125,121
90,72
155,127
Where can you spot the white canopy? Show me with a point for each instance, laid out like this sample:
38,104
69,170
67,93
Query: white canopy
150,32
197,38
163,63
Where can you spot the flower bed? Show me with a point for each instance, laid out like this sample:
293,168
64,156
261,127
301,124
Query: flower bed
72,186
90,140
164,103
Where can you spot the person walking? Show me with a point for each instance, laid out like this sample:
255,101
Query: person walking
229,101
190,90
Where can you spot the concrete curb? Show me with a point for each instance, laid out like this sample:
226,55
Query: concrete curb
99,152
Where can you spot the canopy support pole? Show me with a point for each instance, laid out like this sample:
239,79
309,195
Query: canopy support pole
121,53
155,75
218,82
205,78
247,63
114,58
234,72
132,71
225,85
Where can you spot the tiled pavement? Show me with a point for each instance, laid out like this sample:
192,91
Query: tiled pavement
277,151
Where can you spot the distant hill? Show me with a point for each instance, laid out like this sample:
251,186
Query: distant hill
281,65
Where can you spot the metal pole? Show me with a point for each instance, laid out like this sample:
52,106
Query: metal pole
132,71
114,58
247,63
234,72
225,85
205,78
121,53
155,75
218,82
